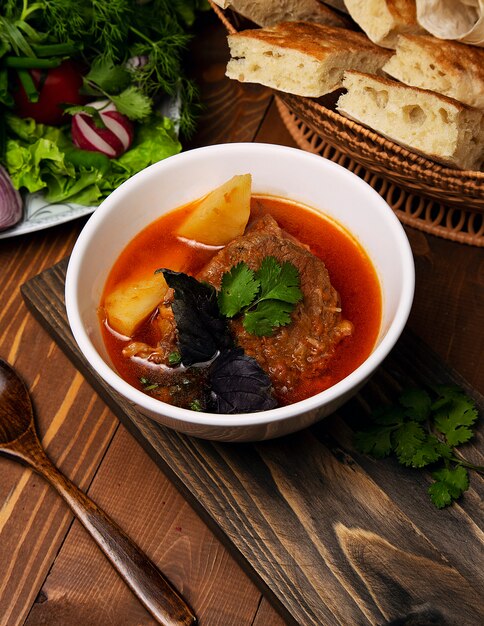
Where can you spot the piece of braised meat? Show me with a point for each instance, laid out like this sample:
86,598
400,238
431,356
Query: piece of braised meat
302,348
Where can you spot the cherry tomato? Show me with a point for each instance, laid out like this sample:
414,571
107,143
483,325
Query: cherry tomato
59,85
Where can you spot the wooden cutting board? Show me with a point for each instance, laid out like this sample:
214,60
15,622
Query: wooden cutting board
330,535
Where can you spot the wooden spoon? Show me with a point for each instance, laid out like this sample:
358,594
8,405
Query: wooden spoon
18,440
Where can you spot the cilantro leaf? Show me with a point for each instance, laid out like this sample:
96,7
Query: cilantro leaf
415,428
389,416
106,77
445,394
267,316
429,451
408,440
265,297
133,103
375,441
278,282
417,404
239,288
453,418
448,486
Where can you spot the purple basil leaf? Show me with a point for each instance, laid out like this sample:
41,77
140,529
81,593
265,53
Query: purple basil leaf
202,331
239,384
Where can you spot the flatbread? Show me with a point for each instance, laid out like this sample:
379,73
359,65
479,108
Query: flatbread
270,12
302,58
451,68
384,20
460,20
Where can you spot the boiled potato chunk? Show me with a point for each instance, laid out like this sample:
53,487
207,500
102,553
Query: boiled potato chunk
222,215
132,301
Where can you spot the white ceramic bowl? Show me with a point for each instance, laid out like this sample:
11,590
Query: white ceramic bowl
276,170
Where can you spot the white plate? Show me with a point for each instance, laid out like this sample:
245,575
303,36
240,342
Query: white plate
40,214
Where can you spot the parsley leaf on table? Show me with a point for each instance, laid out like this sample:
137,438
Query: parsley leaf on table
454,414
448,486
265,297
376,441
408,439
417,404
422,432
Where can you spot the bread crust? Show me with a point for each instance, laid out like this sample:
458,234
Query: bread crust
316,40
302,58
269,12
394,85
404,11
431,124
447,67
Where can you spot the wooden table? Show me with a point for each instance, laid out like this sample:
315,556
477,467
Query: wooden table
50,571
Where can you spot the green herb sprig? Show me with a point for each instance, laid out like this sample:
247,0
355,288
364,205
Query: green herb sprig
265,297
40,33
425,432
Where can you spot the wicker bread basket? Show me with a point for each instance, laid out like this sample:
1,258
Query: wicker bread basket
440,200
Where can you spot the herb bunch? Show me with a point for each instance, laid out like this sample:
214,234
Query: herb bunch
109,34
425,431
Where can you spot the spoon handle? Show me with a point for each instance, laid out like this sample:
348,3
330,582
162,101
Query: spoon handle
141,575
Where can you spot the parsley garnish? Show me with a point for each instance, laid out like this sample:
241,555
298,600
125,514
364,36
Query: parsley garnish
422,432
265,298
174,358
147,384
196,405
105,79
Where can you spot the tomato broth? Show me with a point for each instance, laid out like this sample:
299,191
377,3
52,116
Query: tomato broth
351,273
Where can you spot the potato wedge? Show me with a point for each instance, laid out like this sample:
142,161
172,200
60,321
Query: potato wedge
132,301
222,215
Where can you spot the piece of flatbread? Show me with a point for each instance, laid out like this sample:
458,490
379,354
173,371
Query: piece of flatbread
384,20
269,12
433,125
461,20
448,67
301,58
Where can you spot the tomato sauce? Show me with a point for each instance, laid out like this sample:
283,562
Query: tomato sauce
350,269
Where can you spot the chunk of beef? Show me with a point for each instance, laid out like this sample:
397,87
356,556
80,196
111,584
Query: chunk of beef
302,348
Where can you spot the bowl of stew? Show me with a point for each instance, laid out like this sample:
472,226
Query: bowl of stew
240,292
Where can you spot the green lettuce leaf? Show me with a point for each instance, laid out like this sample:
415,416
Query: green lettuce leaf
155,140
28,164
42,158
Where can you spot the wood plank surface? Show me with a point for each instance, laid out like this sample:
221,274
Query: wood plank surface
332,536
167,538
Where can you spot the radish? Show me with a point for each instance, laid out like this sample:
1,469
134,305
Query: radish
112,140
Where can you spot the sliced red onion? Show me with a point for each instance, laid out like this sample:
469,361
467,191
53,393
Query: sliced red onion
112,140
10,202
